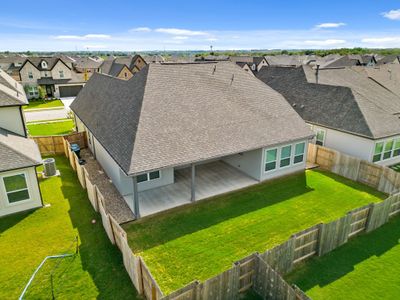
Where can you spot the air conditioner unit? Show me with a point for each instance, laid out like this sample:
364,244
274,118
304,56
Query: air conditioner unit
49,167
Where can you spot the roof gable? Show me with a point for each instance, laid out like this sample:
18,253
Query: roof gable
174,114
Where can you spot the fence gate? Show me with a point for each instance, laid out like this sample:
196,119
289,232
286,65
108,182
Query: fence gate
306,244
358,222
246,273
395,207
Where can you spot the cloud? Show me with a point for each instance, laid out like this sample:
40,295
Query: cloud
392,15
178,37
141,29
380,40
181,32
82,37
329,42
330,25
212,39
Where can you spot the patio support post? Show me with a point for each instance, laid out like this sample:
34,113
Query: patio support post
193,184
136,198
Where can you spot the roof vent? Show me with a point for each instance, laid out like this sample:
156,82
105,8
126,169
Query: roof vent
302,106
294,104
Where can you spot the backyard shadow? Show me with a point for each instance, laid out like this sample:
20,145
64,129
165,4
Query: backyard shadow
10,221
102,260
324,270
180,221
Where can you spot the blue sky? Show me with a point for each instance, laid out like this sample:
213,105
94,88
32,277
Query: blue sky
190,25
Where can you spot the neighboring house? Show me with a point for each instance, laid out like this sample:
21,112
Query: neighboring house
186,127
19,156
11,65
53,74
254,63
123,67
389,59
344,61
87,65
347,110
283,60
387,75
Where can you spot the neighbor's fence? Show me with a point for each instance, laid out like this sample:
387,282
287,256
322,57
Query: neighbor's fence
379,177
55,144
263,272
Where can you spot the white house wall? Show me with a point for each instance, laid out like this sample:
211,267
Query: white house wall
34,193
292,168
123,183
166,177
247,162
10,119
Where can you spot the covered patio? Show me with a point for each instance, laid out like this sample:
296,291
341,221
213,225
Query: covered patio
208,180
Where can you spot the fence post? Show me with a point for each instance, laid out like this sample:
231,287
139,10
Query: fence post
321,238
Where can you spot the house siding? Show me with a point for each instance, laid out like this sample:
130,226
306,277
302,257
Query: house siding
247,162
10,119
292,168
33,188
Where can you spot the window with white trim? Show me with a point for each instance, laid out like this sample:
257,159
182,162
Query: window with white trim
396,148
61,72
148,176
387,152
299,153
378,152
16,188
286,153
30,75
320,137
270,159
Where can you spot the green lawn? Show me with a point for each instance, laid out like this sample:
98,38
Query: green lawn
367,267
27,238
200,241
396,167
59,127
38,104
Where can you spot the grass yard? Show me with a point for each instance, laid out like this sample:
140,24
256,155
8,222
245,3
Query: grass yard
59,127
39,104
27,238
367,267
395,167
202,240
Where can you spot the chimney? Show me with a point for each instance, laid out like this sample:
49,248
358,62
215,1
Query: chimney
317,74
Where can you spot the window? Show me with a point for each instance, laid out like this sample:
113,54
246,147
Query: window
16,188
30,75
320,138
396,150
299,153
378,152
270,159
148,176
126,75
61,72
286,152
44,64
388,149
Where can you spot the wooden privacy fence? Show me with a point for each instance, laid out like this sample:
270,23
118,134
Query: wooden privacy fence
136,268
55,144
263,272
379,177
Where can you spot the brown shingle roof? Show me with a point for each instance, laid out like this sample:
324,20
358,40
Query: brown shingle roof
176,114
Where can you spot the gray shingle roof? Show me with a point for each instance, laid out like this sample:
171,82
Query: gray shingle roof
17,151
343,99
11,92
176,114
344,61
